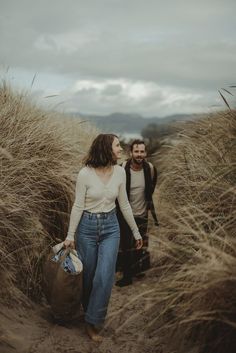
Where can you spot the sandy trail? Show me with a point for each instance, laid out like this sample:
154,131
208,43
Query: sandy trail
32,330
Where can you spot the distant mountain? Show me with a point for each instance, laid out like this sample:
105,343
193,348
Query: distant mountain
130,123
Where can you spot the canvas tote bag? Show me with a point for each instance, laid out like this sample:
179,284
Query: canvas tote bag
63,282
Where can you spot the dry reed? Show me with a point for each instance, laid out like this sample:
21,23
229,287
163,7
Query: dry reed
39,161
196,294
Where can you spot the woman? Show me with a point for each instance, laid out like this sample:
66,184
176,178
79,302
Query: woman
93,220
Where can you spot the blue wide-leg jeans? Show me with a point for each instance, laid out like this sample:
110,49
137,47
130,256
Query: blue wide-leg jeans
97,243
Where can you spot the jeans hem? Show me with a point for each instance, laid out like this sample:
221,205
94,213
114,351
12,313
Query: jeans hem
93,321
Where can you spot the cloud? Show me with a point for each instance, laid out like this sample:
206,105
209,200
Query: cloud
66,43
140,55
146,98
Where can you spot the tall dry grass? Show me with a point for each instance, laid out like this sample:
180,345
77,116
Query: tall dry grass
39,161
195,298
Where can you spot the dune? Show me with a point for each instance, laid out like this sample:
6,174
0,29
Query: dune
186,301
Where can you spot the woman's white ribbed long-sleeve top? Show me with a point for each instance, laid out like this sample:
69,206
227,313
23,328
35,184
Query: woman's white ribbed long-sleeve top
94,196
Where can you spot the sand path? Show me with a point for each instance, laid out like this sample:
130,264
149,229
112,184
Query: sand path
31,330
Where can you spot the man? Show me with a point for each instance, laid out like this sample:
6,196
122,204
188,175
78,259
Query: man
140,184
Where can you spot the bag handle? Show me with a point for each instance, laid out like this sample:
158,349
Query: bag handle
63,257
57,248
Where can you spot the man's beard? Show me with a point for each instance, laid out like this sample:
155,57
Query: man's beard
138,161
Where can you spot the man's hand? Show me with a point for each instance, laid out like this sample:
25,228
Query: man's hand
139,244
69,243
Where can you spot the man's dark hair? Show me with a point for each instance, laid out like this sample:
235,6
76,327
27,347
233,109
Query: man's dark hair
100,153
137,142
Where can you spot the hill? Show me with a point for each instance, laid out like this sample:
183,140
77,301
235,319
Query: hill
130,123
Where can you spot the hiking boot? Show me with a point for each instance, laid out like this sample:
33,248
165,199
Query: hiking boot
139,275
124,282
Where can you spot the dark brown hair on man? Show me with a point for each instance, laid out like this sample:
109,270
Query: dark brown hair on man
136,142
100,153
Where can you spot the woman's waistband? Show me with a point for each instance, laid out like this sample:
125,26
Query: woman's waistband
99,214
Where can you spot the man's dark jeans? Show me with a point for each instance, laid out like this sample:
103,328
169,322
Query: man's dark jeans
129,255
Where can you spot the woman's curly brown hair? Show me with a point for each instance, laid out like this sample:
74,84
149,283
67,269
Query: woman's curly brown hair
100,153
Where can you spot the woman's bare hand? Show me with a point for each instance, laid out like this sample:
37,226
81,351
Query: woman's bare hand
69,243
139,243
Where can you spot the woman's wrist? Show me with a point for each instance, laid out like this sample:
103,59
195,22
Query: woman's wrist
137,235
70,238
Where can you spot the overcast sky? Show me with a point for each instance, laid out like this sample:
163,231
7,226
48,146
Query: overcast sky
150,57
